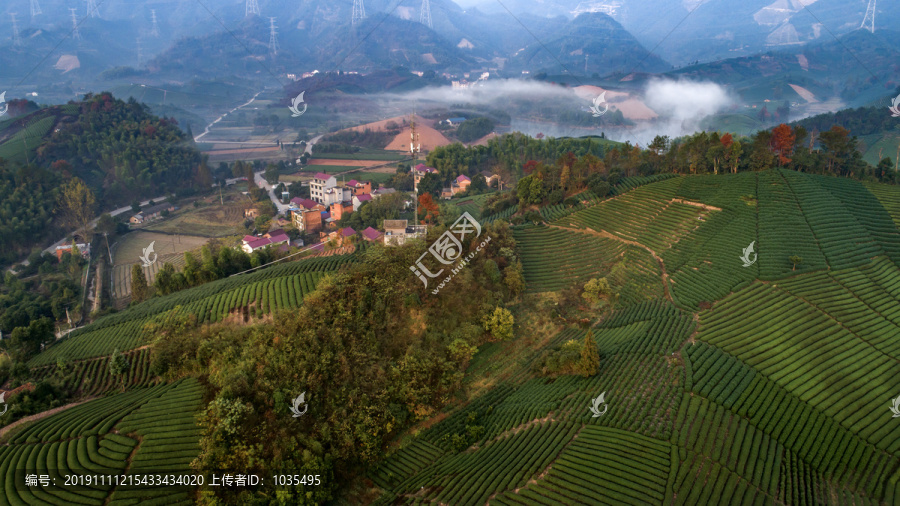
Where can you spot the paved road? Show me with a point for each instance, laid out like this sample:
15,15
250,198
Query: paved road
220,118
276,199
116,212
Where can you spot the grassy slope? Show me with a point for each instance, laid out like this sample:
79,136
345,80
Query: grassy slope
777,394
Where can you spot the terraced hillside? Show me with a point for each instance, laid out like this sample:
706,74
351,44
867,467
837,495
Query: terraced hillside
777,391
245,297
145,430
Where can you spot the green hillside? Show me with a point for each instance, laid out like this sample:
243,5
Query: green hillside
775,392
246,297
722,384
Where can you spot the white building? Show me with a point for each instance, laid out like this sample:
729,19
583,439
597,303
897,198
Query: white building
320,183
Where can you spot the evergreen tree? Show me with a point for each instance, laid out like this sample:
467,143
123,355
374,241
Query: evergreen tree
140,291
589,364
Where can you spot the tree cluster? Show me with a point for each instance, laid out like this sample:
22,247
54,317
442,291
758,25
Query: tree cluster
372,348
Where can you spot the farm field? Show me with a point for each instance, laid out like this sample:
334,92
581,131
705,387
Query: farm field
211,220
129,249
329,169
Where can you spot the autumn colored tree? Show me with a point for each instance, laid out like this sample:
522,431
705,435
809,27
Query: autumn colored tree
783,143
76,205
203,177
429,212
726,140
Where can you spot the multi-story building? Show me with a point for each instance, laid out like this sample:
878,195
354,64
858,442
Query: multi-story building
320,183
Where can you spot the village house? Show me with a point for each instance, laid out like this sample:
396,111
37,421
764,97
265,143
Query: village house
342,237
320,183
306,215
272,238
397,232
492,180
371,235
452,121
152,213
382,192
359,187
358,200
340,209
84,249
459,185
419,172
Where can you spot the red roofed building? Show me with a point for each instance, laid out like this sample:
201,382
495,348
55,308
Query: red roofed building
371,235
359,199
359,187
459,185
265,242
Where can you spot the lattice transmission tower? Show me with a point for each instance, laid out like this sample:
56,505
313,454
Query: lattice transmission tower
75,34
155,30
273,37
92,8
252,7
869,21
17,41
359,12
35,8
425,14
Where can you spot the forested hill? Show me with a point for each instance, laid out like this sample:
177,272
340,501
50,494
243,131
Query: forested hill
118,148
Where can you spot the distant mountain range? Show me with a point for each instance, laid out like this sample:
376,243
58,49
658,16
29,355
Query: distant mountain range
190,41
705,30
